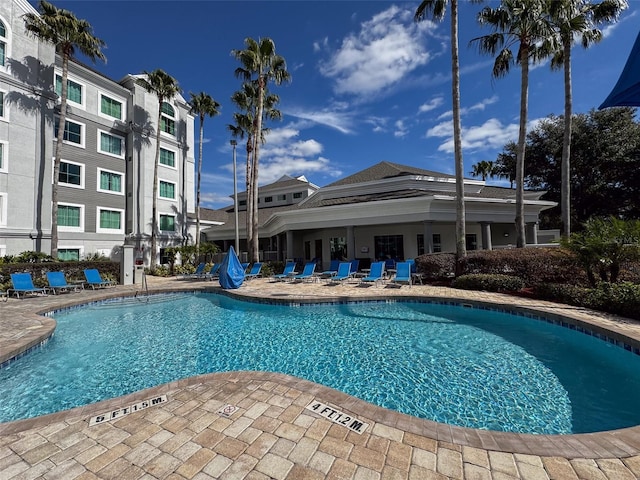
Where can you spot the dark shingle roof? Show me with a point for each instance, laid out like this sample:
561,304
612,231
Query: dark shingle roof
383,170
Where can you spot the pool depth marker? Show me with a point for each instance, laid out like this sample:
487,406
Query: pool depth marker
336,416
121,412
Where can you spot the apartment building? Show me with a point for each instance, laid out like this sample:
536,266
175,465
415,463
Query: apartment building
105,192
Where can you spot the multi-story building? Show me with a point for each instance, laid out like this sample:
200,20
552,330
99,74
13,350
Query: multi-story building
107,157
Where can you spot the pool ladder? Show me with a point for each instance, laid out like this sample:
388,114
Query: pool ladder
145,286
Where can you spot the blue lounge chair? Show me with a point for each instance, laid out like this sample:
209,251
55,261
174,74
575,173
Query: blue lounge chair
212,274
403,274
58,283
333,269
199,271
307,273
375,274
254,272
344,273
23,283
355,266
288,272
94,280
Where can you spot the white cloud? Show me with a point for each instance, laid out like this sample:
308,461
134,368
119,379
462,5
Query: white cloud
480,106
400,129
385,50
491,135
431,105
336,118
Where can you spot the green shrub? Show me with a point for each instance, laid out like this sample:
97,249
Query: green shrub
436,266
489,282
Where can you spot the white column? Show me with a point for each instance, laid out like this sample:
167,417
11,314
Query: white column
428,237
486,235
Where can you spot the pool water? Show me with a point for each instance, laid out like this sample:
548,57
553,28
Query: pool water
462,366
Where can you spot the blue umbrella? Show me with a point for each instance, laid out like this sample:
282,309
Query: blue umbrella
231,272
626,93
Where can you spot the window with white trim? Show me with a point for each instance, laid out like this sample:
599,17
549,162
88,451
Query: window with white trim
167,223
75,90
168,119
4,50
110,144
110,220
71,174
70,217
4,156
167,190
297,195
282,198
69,254
110,107
110,181
167,157
73,132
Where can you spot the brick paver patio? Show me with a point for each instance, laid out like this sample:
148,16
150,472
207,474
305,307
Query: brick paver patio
271,434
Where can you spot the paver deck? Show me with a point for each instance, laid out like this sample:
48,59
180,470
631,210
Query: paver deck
272,435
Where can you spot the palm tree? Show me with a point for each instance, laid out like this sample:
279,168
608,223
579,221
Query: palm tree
261,64
67,34
522,23
483,169
435,9
164,87
202,105
573,18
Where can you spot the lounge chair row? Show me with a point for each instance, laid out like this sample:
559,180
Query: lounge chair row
22,283
344,271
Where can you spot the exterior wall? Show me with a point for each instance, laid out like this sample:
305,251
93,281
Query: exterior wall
25,184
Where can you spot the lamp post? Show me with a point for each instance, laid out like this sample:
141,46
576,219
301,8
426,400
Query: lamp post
235,197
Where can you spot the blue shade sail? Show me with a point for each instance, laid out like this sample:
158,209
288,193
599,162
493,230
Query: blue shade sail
231,271
626,92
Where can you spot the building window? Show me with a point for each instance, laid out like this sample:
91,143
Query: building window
109,182
110,144
74,90
167,119
167,190
338,248
165,257
167,223
3,44
242,203
71,217
167,157
109,221
472,241
420,242
297,195
437,243
110,107
73,132
389,247
71,174
268,199
4,152
68,254
282,198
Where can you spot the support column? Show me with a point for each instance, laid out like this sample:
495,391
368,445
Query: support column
428,237
531,230
486,235
225,245
351,243
289,234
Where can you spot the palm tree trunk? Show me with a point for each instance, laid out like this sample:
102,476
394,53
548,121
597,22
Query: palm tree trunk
154,203
256,157
461,246
565,188
249,202
198,187
56,161
520,155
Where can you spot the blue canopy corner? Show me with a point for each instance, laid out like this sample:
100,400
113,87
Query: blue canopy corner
626,92
231,273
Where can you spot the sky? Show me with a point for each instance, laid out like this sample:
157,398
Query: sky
368,84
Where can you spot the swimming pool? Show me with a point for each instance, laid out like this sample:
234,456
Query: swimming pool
462,366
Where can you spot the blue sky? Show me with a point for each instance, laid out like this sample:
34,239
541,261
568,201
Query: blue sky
368,84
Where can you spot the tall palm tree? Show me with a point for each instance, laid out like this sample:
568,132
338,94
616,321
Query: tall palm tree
260,63
67,34
202,105
571,19
483,169
164,87
435,9
522,23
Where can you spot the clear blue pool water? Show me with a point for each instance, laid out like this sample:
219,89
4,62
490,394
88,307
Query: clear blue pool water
461,366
